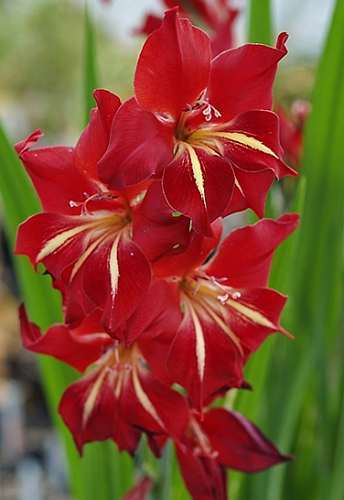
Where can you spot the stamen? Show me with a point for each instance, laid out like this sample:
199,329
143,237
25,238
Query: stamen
209,110
96,197
223,298
75,204
164,117
88,199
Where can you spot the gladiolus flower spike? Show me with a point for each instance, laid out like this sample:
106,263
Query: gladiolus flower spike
161,313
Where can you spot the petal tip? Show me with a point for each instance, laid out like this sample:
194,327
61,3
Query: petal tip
281,41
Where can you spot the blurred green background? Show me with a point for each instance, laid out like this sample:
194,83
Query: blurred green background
41,57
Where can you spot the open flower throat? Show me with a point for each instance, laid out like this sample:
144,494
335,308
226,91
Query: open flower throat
210,148
194,129
97,223
120,366
215,301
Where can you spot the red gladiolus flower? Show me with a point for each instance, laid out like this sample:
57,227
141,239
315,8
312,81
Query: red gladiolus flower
93,241
119,396
292,128
222,439
227,308
218,16
203,125
160,316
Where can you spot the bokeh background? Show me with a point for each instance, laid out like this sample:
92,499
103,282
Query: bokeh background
41,85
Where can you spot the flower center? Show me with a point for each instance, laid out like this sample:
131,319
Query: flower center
193,116
205,299
118,366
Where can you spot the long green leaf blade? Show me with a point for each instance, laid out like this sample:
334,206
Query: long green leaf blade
314,313
90,64
260,22
43,303
256,405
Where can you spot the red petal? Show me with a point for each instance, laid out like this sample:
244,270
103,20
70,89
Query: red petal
241,79
155,326
193,356
134,275
56,179
107,104
76,304
113,274
251,333
238,202
94,140
204,477
139,146
173,68
253,187
244,257
264,127
141,490
38,230
156,350
239,443
157,313
200,186
255,157
192,257
79,348
155,229
154,407
100,419
29,141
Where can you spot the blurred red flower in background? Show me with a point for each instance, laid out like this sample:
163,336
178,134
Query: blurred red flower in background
292,130
218,16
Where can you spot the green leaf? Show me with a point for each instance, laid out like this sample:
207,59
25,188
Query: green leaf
43,303
249,403
260,22
255,405
336,491
90,64
298,383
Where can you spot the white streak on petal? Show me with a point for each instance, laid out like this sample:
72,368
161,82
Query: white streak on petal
197,171
85,255
251,314
200,344
113,266
59,240
246,140
92,397
144,399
